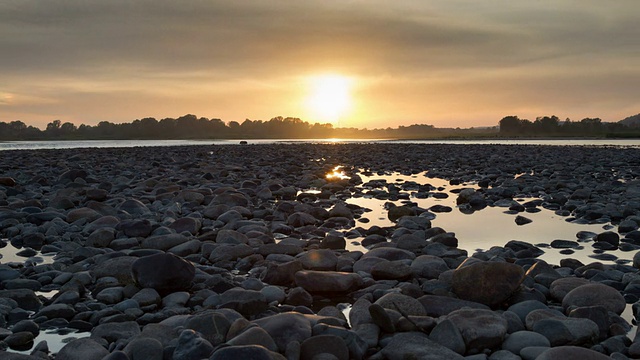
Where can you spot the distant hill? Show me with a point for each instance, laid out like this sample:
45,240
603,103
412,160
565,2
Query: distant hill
631,121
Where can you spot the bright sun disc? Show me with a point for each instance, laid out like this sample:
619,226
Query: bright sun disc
330,97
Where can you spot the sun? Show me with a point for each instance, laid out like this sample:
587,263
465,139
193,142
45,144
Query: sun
329,97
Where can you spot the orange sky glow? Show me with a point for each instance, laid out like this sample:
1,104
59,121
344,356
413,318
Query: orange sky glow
365,64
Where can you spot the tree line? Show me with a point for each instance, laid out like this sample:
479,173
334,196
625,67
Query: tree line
193,127
553,126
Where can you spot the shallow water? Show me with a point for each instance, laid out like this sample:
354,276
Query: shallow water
488,227
9,254
72,144
55,338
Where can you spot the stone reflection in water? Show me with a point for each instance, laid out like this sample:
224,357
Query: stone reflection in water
476,227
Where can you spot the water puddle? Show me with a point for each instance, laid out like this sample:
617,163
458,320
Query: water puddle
25,256
476,230
56,339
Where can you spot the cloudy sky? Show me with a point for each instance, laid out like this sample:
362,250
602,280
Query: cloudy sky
443,62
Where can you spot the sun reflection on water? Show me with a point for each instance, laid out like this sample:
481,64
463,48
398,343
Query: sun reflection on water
337,174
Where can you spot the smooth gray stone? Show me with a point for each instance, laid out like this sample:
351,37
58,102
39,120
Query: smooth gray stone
418,346
448,335
519,340
82,349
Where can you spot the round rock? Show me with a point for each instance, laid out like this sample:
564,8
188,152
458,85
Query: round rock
594,295
165,273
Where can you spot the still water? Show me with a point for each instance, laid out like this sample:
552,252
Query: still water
73,144
483,229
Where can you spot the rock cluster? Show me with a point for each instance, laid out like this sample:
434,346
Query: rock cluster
216,252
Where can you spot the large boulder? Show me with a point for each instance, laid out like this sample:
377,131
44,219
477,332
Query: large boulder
594,295
163,272
489,283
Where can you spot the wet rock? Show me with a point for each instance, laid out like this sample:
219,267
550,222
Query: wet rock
390,254
281,274
480,329
254,336
489,283
404,304
521,220
428,266
82,349
245,352
187,224
191,346
135,228
396,212
19,340
322,259
144,348
286,327
571,353
7,181
118,267
327,281
418,346
594,295
112,332
437,306
163,242
564,244
521,339
101,238
134,207
567,331
560,287
26,325
391,270
165,273
448,335
324,344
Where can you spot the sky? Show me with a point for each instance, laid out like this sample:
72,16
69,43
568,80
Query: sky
446,63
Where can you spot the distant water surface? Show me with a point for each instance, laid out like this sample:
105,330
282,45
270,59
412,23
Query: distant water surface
73,144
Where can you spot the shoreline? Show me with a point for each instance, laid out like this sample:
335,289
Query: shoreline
253,253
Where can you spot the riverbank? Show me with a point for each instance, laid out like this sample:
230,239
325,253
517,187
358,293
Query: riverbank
215,251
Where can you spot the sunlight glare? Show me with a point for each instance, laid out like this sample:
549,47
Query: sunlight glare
329,97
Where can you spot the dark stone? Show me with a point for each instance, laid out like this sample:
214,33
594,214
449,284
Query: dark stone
165,273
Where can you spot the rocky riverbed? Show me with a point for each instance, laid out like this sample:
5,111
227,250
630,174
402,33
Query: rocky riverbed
228,252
